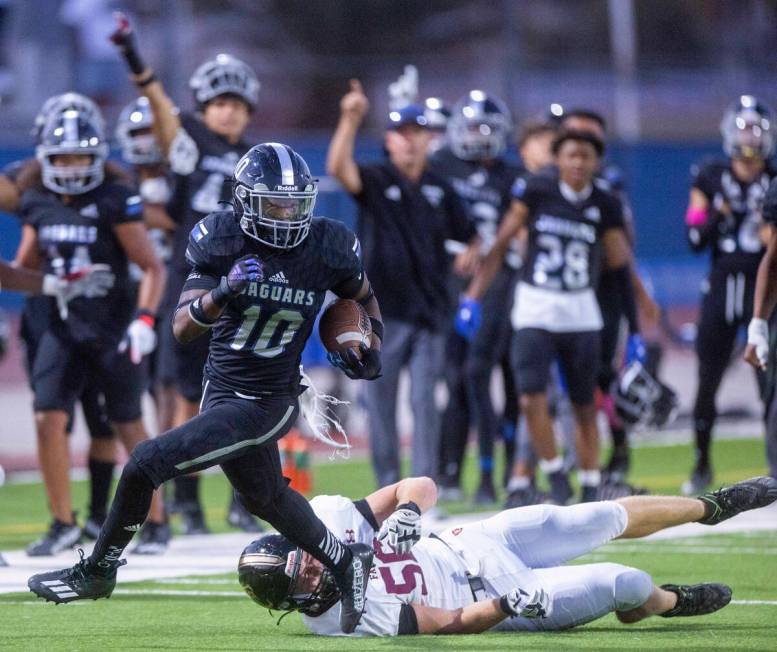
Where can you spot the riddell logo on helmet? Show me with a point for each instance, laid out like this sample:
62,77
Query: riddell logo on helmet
286,188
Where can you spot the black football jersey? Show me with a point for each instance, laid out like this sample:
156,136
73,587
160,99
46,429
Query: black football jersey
735,245
484,190
201,161
256,346
75,235
564,250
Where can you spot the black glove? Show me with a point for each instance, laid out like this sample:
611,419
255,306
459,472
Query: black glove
366,368
248,269
124,39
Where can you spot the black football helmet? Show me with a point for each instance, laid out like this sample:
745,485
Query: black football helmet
133,132
72,132
66,102
479,127
268,570
224,75
274,195
748,129
641,400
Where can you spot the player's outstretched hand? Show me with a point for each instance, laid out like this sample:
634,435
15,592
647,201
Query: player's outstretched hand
528,604
468,318
402,529
140,338
757,350
366,367
93,281
123,37
355,103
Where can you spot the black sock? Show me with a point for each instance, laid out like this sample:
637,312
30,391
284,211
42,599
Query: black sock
128,512
703,439
618,436
100,476
187,490
291,514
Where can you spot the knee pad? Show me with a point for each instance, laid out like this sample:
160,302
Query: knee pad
134,473
631,587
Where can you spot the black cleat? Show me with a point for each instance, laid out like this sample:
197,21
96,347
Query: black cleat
81,582
560,489
193,519
524,497
353,586
701,478
740,497
617,467
153,539
60,536
239,517
485,495
697,599
614,490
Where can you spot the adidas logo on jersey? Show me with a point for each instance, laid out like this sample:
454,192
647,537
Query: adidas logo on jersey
280,277
90,211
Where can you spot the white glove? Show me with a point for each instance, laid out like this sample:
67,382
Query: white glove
402,528
90,282
529,605
140,339
758,336
404,91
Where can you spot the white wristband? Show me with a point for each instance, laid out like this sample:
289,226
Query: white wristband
51,285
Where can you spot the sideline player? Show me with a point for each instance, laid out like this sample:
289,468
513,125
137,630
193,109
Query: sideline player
575,229
472,161
74,217
260,273
202,149
504,573
760,345
36,317
724,216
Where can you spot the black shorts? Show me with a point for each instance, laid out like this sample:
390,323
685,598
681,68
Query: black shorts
62,369
535,349
181,365
228,428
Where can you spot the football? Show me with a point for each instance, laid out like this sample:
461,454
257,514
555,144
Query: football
344,325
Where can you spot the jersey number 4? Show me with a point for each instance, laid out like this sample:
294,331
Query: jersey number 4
268,333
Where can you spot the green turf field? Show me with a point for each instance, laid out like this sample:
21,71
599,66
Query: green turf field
188,613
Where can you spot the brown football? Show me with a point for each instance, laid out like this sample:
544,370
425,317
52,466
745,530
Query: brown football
344,324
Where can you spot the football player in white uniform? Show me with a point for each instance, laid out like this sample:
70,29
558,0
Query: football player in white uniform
505,572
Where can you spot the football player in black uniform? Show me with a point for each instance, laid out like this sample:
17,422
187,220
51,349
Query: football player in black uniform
202,150
140,150
760,346
575,229
260,273
72,219
36,318
724,216
472,162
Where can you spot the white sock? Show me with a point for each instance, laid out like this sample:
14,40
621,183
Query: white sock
589,478
518,482
552,466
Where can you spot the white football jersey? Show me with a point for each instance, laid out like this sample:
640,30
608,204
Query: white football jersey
430,574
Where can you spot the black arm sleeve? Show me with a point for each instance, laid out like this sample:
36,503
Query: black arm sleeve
622,280
408,622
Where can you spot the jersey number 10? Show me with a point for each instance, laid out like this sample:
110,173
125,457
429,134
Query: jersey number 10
267,334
